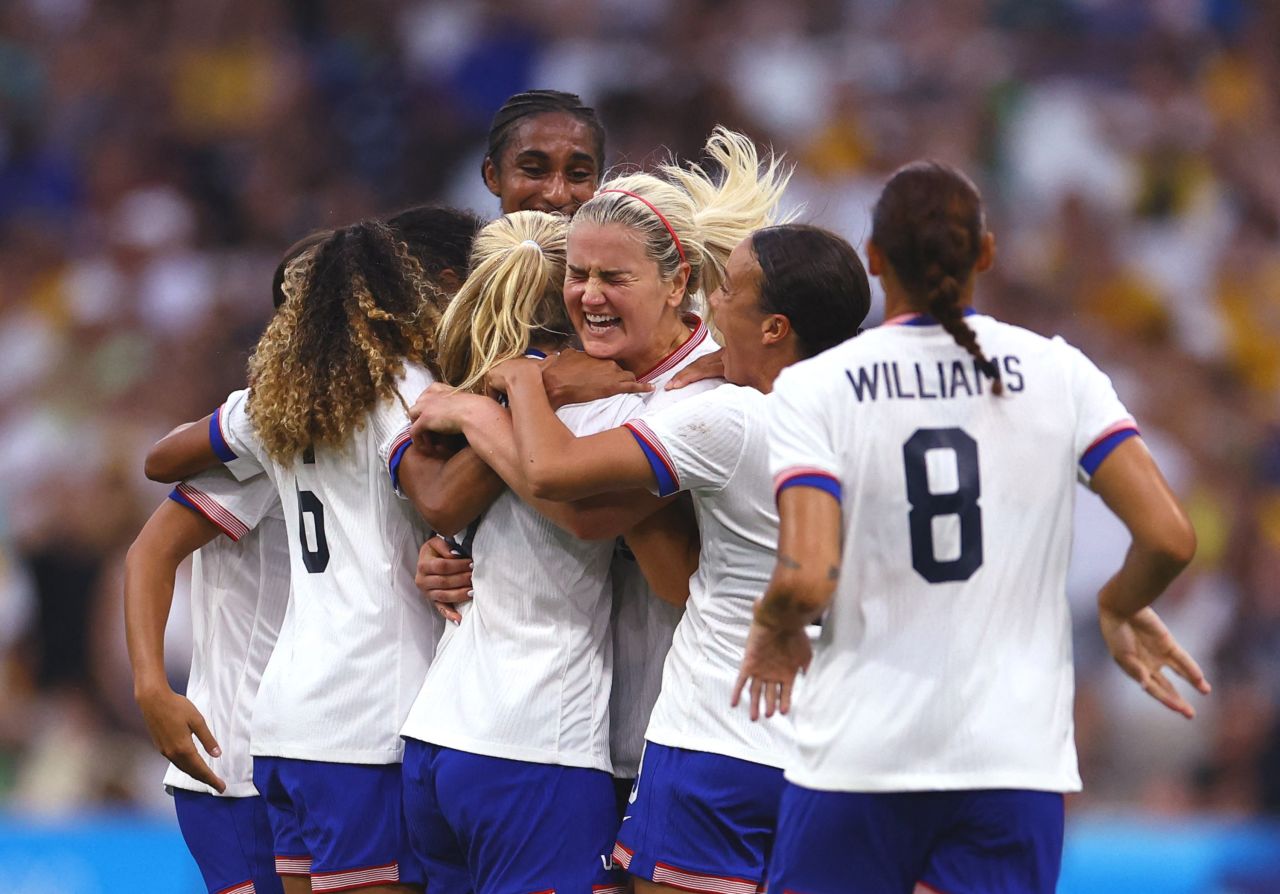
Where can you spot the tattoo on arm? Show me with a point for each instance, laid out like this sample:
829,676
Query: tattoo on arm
833,573
787,562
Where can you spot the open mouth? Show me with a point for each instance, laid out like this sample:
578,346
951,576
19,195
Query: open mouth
600,324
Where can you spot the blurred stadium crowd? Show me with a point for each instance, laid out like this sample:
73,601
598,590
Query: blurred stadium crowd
156,156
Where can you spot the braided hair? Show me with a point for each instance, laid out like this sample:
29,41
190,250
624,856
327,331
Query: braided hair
358,305
929,224
540,102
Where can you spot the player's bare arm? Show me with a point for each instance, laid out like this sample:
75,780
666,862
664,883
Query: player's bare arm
169,536
1164,543
183,452
666,546
804,580
557,464
488,429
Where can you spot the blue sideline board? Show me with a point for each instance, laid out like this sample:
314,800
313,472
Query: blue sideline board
103,853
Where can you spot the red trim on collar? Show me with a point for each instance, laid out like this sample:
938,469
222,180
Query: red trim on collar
666,363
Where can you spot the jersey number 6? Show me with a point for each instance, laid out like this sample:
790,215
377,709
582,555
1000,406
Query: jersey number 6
927,505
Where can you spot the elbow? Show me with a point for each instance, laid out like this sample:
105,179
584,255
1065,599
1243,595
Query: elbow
1177,545
444,519
547,484
156,468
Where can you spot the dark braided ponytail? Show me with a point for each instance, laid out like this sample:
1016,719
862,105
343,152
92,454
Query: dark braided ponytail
929,224
540,102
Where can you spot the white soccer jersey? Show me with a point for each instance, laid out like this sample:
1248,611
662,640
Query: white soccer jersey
642,623
357,636
945,659
526,673
716,446
239,590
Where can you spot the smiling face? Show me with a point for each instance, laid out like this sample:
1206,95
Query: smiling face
547,164
736,312
619,305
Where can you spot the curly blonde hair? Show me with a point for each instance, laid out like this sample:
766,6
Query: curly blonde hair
357,307
515,290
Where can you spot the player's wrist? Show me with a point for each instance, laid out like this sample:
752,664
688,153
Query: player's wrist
773,616
150,685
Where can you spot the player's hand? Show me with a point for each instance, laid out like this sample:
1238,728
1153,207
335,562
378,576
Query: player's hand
708,366
172,720
572,377
440,410
444,577
499,379
770,664
1143,647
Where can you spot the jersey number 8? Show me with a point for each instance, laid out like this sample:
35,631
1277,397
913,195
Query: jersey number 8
927,505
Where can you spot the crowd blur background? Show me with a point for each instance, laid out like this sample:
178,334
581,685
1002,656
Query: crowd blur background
157,156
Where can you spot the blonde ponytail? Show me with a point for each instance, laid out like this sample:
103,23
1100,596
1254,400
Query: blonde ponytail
684,214
516,289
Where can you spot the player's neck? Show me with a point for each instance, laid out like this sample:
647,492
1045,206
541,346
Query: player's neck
765,373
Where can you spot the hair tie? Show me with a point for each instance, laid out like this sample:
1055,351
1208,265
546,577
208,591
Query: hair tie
536,245
654,209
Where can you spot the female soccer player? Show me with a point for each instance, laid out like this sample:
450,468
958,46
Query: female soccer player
515,708
329,384
546,152
925,475
706,806
239,589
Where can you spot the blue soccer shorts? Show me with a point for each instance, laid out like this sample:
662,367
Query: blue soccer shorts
507,825
996,841
340,824
700,821
230,840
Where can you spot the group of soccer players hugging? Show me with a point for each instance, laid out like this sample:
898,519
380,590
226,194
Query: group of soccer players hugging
510,576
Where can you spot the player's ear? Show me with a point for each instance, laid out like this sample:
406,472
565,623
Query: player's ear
490,172
986,252
875,259
774,329
449,281
678,284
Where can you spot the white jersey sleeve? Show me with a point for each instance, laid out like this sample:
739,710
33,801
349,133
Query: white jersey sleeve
696,444
234,439
801,449
1102,422
392,427
236,507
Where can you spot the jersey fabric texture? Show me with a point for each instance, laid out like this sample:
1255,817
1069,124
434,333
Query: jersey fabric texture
494,825
967,842
642,624
239,592
525,673
230,840
950,618
357,637
342,824
716,446
700,822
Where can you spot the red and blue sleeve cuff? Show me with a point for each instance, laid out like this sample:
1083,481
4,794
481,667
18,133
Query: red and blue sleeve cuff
664,470
216,439
1108,441
202,504
399,446
808,477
